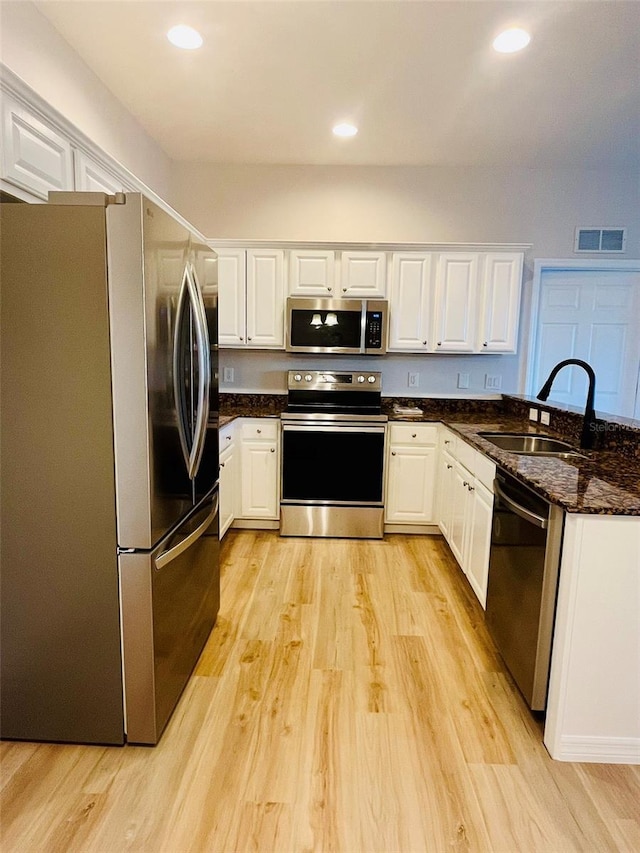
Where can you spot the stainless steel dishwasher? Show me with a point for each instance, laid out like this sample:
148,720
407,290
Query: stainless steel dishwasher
526,542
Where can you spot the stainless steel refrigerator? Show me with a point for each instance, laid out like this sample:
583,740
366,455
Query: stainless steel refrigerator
109,583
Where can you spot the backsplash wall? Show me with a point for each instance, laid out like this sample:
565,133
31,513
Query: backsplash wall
264,371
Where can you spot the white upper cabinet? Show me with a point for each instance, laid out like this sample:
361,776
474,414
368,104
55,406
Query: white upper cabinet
91,177
410,302
498,331
265,298
35,157
312,273
232,297
457,282
363,274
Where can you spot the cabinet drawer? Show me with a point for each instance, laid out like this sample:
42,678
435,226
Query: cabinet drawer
485,471
225,437
467,456
418,434
448,441
266,430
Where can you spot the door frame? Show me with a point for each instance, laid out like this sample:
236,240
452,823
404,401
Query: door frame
542,265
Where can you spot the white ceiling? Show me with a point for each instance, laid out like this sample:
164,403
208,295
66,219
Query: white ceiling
420,79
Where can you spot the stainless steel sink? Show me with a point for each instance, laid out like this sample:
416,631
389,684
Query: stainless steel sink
530,445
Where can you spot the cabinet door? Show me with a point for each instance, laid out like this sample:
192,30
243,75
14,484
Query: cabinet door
91,177
456,302
411,485
228,473
265,298
363,274
259,479
410,301
232,297
478,540
311,273
445,495
460,508
501,302
34,156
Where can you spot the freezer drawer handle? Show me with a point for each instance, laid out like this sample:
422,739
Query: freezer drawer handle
522,511
167,556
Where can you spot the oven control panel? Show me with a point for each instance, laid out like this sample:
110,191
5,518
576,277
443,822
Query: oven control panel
334,381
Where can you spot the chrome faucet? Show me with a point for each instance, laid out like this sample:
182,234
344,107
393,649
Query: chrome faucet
589,422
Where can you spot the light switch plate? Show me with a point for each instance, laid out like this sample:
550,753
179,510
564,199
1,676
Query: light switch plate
545,418
227,374
533,414
463,380
414,380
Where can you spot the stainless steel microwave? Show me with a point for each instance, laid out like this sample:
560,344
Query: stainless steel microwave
347,326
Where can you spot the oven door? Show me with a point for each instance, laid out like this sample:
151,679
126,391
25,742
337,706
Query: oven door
333,464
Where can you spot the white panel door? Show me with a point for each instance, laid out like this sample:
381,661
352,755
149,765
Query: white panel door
456,300
232,296
593,315
265,298
91,177
363,274
411,480
311,273
501,302
410,301
34,156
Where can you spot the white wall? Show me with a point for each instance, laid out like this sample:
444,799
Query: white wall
35,51
408,204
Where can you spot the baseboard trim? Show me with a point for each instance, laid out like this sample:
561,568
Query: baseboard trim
599,750
420,529
256,523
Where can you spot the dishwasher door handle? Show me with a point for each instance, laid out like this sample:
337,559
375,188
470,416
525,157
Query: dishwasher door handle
522,511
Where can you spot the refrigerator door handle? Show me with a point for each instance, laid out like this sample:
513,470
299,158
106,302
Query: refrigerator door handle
204,373
178,345
168,556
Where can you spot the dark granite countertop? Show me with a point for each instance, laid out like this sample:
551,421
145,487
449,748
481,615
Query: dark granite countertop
597,484
605,482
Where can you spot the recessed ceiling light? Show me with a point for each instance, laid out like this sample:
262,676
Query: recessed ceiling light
185,37
345,129
511,40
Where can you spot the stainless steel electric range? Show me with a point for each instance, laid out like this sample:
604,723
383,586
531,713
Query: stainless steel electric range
332,474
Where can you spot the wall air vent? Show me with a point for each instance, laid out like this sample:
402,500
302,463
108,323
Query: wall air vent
600,240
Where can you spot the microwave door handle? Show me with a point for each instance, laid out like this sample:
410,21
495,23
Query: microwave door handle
178,379
363,327
519,510
204,374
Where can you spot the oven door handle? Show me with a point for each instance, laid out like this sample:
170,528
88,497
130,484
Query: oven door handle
316,427
523,512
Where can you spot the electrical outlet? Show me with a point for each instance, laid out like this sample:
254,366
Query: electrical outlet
493,383
545,418
533,414
463,380
414,380
227,374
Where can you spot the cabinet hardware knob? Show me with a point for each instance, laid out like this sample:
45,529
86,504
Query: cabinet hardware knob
447,441
464,483
413,435
449,467
273,450
329,289
222,464
439,343
393,453
344,289
248,339
484,344
471,488
424,343
228,437
258,431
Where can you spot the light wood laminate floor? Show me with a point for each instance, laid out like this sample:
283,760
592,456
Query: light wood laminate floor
349,699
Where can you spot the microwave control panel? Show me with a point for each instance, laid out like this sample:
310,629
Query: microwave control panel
373,334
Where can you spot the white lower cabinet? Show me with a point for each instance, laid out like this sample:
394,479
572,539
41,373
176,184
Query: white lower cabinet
465,508
411,474
228,477
259,468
